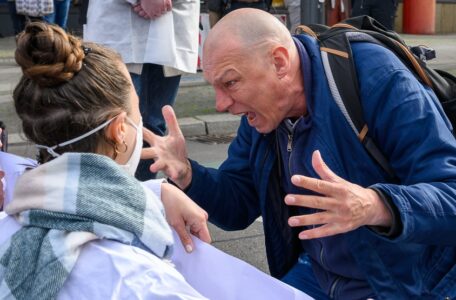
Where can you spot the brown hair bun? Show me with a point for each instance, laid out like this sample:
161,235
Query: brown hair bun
48,55
53,104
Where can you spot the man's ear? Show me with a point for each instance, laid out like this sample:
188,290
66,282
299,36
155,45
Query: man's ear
281,60
116,130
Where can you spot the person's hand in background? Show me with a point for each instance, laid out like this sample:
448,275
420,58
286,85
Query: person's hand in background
152,9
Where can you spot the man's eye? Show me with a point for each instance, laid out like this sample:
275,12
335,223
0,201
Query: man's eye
229,83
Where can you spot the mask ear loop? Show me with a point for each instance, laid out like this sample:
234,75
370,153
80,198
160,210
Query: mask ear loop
51,149
133,123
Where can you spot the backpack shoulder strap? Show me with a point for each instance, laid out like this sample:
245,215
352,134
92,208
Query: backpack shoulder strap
342,79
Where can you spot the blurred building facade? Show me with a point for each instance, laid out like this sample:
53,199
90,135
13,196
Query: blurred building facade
312,11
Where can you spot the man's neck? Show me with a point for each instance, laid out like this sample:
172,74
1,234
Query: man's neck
296,88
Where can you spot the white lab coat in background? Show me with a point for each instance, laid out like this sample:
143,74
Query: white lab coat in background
170,40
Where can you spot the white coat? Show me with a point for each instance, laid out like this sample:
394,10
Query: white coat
170,40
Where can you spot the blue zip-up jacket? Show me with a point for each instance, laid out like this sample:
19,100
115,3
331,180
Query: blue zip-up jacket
408,125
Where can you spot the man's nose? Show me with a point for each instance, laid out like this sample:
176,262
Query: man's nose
222,101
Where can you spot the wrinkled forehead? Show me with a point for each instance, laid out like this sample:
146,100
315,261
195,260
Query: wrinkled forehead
223,59
218,61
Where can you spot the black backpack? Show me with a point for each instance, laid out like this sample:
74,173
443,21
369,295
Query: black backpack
341,73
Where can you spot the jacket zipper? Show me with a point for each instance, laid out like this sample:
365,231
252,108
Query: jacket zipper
333,288
290,142
289,150
321,253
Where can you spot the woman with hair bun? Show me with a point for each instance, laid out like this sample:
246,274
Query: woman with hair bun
80,226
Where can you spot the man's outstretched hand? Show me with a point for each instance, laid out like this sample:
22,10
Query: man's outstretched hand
343,206
169,152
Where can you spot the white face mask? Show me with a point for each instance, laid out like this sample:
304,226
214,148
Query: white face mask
133,161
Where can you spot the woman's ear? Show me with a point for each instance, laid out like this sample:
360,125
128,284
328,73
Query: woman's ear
281,60
116,130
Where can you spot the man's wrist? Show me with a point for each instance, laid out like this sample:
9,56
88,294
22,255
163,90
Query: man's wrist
395,228
185,179
381,214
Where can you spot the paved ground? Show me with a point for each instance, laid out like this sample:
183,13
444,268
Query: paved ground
195,109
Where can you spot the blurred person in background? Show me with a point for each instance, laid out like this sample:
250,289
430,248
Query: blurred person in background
384,11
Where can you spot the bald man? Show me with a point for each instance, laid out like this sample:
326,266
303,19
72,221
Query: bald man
336,226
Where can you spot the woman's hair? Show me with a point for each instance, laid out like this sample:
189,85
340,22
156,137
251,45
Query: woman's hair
67,88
